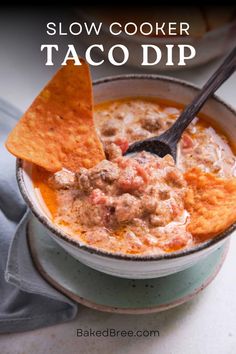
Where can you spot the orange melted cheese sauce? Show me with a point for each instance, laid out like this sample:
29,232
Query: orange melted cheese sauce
49,194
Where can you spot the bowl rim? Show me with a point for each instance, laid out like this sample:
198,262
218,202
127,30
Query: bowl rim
118,255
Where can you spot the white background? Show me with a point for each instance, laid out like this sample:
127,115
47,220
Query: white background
207,324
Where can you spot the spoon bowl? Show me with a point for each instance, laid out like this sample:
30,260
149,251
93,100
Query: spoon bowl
153,145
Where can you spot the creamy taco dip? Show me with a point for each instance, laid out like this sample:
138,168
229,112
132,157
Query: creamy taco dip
134,205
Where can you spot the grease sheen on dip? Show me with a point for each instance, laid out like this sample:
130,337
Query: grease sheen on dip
134,205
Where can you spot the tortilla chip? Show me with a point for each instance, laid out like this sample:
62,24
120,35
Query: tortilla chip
58,131
211,202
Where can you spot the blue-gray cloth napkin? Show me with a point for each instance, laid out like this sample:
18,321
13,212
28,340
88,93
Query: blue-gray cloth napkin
27,301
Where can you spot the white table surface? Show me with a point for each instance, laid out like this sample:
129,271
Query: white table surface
207,324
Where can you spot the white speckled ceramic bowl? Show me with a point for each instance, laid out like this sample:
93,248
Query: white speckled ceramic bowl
125,266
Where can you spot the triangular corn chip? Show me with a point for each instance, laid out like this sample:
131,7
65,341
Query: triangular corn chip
57,131
211,202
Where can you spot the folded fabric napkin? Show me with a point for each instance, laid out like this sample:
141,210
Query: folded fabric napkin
27,301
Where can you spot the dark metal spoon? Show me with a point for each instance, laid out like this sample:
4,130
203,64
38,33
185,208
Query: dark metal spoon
166,143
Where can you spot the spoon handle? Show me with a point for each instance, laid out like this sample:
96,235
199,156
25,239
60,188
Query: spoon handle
173,134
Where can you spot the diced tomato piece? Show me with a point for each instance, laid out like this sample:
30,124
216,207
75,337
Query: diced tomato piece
142,173
97,197
123,162
122,143
129,184
129,179
187,141
176,209
133,175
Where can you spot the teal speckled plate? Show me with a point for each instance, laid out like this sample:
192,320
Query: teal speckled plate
107,293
